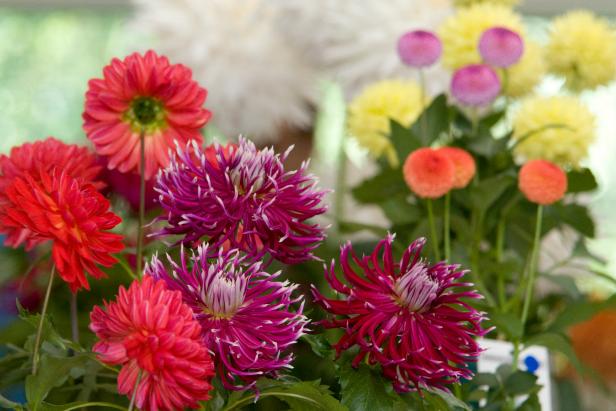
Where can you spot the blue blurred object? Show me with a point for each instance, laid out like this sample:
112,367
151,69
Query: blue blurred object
531,363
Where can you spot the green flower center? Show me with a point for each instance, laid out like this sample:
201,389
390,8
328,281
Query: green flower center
145,114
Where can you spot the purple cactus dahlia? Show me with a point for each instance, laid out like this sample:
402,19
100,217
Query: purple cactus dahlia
410,317
248,318
242,197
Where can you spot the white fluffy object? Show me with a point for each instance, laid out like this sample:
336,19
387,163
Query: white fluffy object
355,42
256,81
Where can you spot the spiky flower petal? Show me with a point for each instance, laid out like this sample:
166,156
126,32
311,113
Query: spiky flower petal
412,318
249,319
242,197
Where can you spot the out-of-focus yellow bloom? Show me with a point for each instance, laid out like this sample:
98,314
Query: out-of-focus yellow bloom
460,33
466,3
523,76
582,48
558,129
370,113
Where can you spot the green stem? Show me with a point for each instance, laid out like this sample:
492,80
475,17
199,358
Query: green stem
134,396
340,186
500,245
424,118
39,330
446,226
74,318
250,398
457,390
141,203
435,244
477,219
516,354
530,286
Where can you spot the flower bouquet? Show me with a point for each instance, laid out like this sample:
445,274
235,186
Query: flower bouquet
184,274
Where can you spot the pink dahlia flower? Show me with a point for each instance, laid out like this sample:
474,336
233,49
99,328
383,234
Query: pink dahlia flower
156,340
242,197
501,47
248,318
410,317
419,48
475,85
143,94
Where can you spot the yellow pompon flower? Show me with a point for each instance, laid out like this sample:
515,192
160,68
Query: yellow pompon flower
523,76
467,3
369,114
582,48
460,33
558,129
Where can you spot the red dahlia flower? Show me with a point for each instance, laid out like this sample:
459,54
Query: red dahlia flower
149,331
143,94
33,159
408,316
249,319
74,216
242,197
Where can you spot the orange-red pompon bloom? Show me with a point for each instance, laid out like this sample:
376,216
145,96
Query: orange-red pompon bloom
542,182
156,340
74,216
464,165
429,173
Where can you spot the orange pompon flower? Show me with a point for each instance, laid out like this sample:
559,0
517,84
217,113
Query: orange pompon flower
42,157
154,336
429,173
143,94
464,165
542,182
74,216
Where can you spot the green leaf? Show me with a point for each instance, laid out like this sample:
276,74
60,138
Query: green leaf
484,378
484,194
403,140
578,311
520,382
433,121
507,323
49,332
557,342
53,372
579,181
349,227
381,187
78,406
398,211
567,284
450,399
364,389
308,396
577,217
319,344
8,404
530,404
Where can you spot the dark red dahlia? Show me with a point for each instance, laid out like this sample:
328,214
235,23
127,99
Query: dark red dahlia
410,317
74,216
42,157
143,94
242,197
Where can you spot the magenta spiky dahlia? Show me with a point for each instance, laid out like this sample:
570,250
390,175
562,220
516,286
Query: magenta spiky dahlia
242,197
408,316
248,318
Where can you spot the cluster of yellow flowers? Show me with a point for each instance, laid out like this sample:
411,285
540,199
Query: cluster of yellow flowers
581,49
559,129
370,113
